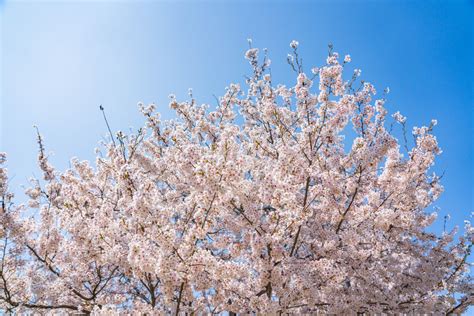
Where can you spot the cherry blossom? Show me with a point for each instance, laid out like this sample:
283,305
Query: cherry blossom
264,204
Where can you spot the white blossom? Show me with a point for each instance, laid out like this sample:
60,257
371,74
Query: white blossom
294,44
398,117
252,53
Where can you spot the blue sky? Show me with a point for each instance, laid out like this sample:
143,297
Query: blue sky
61,59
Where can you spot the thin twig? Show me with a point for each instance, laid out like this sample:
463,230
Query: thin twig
179,298
107,123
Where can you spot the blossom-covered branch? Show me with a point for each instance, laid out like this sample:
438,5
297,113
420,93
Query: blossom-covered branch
280,200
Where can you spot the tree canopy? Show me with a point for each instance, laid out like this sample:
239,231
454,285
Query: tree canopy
280,200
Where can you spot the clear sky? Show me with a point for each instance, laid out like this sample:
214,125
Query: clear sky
61,59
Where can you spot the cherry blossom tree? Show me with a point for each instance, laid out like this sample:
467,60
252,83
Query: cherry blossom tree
281,200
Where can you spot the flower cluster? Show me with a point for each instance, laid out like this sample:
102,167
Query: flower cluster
256,206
